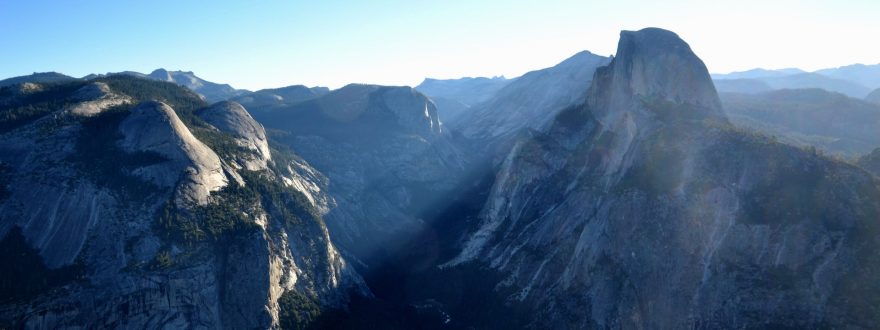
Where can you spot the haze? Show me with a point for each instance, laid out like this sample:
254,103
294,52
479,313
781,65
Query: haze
264,44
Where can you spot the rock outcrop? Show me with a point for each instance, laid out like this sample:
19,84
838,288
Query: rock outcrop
654,66
95,98
192,166
232,118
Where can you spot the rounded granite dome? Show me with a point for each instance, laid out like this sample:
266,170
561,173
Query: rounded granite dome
655,64
231,117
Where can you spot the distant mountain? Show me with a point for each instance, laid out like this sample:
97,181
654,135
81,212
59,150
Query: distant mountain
278,97
532,100
854,80
874,97
794,81
212,92
815,80
865,75
747,86
37,77
455,96
832,122
757,73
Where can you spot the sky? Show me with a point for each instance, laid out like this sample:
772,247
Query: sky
264,44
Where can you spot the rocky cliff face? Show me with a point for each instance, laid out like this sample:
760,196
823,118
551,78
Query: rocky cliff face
232,118
135,217
645,209
154,127
385,152
95,98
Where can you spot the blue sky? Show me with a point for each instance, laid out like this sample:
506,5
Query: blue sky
259,44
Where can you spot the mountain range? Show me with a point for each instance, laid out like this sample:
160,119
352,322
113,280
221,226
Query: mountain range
856,80
602,192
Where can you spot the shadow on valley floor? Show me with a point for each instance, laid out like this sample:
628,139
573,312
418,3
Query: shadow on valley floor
412,292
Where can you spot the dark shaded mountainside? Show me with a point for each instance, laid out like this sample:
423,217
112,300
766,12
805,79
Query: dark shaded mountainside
599,193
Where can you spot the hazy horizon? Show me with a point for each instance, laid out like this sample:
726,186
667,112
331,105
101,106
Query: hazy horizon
275,44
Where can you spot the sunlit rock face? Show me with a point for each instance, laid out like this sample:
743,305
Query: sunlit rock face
654,66
88,198
644,208
95,98
232,118
154,127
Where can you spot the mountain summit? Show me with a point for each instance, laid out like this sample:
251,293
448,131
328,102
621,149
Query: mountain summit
654,65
